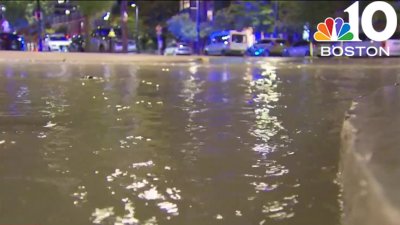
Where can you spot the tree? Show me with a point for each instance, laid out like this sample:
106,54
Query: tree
16,12
45,6
90,10
21,13
237,16
293,15
242,14
153,13
184,28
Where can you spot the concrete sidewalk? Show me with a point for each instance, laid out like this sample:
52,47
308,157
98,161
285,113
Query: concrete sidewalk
75,57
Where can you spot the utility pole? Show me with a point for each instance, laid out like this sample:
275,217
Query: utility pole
137,40
198,27
39,18
124,27
137,29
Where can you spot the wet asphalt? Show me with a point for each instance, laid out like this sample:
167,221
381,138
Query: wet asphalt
232,141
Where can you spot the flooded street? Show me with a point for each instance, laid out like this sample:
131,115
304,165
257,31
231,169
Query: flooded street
227,142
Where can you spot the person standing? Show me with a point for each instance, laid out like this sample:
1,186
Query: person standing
4,25
160,41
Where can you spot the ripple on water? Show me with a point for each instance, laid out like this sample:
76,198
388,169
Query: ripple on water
267,128
145,187
137,185
142,164
99,215
80,196
151,194
261,186
169,208
279,210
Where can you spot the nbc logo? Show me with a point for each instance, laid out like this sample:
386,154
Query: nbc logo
336,30
333,30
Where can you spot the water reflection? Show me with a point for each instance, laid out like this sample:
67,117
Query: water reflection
138,183
20,104
58,139
263,87
191,143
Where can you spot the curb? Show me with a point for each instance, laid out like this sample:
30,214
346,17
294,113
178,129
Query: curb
88,58
368,160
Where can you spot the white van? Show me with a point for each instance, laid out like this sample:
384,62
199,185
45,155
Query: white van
227,43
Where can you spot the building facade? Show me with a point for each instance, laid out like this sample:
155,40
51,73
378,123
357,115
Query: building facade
206,9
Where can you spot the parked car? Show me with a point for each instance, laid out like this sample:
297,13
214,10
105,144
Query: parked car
268,47
10,41
365,42
101,40
391,45
56,43
298,49
227,43
178,49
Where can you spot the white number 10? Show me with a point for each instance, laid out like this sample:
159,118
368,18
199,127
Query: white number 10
366,20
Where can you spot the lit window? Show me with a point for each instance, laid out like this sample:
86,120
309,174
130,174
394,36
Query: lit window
185,4
209,15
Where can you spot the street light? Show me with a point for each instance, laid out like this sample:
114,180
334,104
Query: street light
133,5
67,12
107,16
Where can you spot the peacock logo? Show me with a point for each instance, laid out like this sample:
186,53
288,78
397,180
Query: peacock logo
333,30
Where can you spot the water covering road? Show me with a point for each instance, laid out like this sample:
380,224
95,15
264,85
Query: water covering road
230,142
